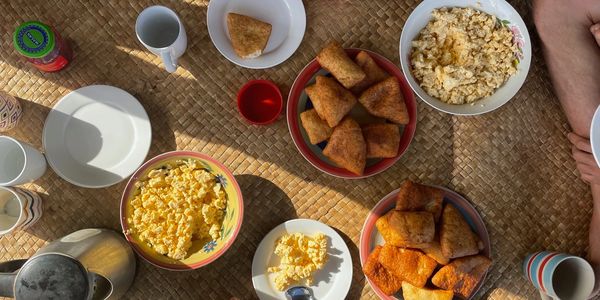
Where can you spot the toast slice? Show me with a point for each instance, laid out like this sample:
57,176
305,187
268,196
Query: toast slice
316,129
411,292
383,140
414,197
380,276
331,100
409,265
374,73
462,275
248,36
334,59
456,237
406,229
347,147
385,100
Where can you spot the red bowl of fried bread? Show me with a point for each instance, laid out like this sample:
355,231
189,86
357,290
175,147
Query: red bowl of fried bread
424,242
351,113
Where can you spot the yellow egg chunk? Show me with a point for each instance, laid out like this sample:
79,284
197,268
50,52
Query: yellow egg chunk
176,204
300,257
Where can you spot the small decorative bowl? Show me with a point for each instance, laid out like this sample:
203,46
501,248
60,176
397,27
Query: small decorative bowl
10,112
508,17
201,254
260,102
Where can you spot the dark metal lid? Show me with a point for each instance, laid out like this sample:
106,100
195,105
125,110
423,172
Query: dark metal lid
52,276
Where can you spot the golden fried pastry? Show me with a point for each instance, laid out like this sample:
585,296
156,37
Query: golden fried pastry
385,100
331,101
456,237
382,140
462,275
374,73
414,196
406,229
249,36
316,129
382,278
411,292
334,59
434,250
409,265
347,147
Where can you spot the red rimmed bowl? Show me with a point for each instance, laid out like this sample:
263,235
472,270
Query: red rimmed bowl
298,102
260,102
370,236
201,253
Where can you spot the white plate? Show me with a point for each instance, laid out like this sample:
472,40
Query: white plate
419,18
595,136
331,282
287,17
96,136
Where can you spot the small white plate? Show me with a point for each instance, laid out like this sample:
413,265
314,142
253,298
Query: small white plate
331,282
96,136
595,136
287,17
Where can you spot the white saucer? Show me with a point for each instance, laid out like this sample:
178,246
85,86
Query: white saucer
595,136
287,17
332,282
96,136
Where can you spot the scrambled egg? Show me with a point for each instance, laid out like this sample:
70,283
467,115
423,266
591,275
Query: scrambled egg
300,257
176,204
463,55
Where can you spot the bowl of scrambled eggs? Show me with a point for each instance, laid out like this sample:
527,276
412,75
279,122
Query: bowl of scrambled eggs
181,210
465,57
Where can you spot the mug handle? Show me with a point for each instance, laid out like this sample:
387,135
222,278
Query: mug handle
168,61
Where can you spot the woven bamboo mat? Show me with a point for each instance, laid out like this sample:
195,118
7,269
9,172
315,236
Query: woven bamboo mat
514,163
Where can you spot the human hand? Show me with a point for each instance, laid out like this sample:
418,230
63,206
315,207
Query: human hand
586,164
595,29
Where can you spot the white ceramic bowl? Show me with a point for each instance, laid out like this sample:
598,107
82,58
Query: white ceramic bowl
419,18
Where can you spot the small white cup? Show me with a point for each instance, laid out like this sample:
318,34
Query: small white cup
19,209
160,30
19,162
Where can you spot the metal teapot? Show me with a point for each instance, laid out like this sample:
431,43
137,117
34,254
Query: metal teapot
86,264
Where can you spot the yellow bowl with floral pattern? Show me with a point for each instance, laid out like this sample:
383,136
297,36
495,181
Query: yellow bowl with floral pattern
201,253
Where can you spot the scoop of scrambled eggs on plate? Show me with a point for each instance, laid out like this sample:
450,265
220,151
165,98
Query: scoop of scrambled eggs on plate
301,256
176,204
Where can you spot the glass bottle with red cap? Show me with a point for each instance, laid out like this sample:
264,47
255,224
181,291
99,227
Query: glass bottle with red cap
42,46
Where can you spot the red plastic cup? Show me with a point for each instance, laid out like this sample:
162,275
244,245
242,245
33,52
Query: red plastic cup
260,102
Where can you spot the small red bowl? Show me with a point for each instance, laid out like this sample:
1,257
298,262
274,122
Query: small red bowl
260,102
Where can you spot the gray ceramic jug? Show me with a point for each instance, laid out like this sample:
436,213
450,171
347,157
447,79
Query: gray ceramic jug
86,264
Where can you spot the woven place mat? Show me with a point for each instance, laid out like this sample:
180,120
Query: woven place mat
514,163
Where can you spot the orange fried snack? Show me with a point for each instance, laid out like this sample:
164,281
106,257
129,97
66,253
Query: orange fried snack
334,59
411,292
374,73
382,278
462,275
413,197
346,147
409,265
316,129
456,237
383,140
331,101
406,229
385,100
433,249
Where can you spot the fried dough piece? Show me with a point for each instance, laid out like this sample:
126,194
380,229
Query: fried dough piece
406,229
411,292
347,147
433,249
409,265
248,36
382,278
385,100
316,129
462,275
382,140
456,237
414,196
334,59
374,73
331,101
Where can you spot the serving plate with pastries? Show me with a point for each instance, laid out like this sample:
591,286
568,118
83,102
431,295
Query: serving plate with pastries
351,112
424,242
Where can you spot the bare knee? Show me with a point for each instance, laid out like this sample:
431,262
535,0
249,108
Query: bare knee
552,15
